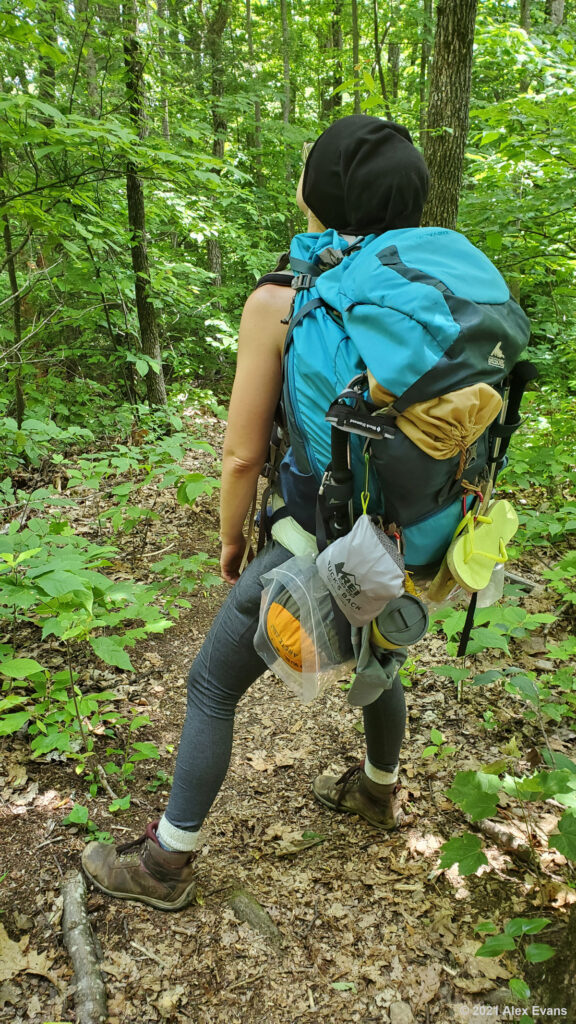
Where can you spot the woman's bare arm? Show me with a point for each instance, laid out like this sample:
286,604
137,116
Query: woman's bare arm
255,395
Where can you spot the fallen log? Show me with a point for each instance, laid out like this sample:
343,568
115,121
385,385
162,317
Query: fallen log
247,908
507,841
90,998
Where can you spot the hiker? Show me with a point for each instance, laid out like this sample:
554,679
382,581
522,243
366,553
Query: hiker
362,175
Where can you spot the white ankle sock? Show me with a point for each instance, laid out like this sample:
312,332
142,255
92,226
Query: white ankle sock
176,840
381,778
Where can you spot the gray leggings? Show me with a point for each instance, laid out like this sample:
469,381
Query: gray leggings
225,667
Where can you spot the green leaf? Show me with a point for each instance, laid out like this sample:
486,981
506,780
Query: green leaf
193,485
487,927
12,701
10,724
20,668
538,952
78,816
494,240
527,686
143,751
122,803
475,793
59,583
558,760
138,722
110,650
485,678
53,740
565,839
436,737
495,945
490,639
451,672
490,136
519,988
466,851
344,986
526,926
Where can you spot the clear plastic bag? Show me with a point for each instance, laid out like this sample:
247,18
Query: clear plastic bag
297,635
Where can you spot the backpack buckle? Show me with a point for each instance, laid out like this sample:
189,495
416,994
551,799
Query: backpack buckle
355,420
302,282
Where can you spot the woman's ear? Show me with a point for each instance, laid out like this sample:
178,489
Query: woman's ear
299,197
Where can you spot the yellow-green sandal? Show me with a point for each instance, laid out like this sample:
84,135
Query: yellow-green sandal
479,543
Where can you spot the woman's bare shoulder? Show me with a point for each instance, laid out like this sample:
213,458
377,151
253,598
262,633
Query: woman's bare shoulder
269,299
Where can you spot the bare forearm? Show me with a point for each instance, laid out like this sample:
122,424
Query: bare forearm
239,480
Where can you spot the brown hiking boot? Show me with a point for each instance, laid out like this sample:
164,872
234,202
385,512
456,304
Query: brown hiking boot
142,871
355,793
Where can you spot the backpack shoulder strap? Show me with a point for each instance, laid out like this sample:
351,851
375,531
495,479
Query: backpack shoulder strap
283,277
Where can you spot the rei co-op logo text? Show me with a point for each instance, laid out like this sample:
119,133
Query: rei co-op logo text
497,357
345,582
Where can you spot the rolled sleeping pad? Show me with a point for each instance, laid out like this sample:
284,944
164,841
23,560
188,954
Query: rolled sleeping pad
292,643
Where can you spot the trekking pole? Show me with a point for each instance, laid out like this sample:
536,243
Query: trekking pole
508,421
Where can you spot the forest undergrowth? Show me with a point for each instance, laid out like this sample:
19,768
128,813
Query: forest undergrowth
106,594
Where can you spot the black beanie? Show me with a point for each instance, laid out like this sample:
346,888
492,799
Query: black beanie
364,175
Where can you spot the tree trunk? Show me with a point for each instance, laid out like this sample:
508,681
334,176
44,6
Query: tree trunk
356,55
149,334
82,8
14,354
525,15
162,74
254,139
287,91
337,43
47,70
448,110
424,61
330,42
378,44
214,31
287,97
555,11
394,66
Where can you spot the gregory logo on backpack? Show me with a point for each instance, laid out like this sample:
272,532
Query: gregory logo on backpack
497,357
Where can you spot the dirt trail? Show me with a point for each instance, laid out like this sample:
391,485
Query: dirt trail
369,929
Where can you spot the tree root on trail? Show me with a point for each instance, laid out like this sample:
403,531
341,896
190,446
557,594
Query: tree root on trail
247,908
90,999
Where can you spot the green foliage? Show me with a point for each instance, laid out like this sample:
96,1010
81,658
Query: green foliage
438,748
466,851
507,940
476,793
493,628
511,940
565,839
79,817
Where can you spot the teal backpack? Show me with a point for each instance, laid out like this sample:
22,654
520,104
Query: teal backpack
420,313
